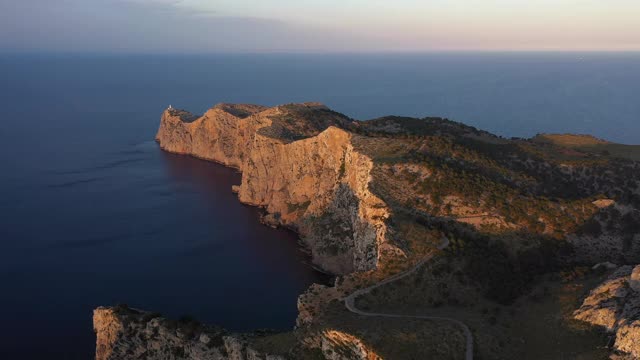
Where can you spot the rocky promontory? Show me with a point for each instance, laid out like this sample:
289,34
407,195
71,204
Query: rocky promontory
372,199
306,174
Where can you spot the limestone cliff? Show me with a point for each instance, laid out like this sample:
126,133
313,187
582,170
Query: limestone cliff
124,333
307,177
615,306
220,135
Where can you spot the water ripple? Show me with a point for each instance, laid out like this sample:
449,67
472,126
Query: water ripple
107,166
101,240
73,183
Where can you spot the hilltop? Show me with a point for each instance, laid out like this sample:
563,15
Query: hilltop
590,145
520,219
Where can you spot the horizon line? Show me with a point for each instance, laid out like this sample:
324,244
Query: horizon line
322,52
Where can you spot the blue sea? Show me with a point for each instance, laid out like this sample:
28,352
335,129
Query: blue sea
93,213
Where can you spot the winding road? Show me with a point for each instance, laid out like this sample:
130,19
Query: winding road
350,301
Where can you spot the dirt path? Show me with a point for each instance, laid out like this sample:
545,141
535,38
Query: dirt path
350,301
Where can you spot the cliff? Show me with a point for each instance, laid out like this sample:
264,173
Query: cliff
307,175
615,306
124,333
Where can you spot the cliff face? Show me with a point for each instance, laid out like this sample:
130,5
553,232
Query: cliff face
615,306
131,334
319,186
311,180
220,135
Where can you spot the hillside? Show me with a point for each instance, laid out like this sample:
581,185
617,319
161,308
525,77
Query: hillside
591,145
371,199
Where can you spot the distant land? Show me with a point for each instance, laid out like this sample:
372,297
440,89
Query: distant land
446,241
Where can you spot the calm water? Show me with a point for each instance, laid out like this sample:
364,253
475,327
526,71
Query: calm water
93,213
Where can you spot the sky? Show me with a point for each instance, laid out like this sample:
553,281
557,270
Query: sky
206,26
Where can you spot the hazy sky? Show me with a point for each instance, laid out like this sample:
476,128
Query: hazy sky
317,25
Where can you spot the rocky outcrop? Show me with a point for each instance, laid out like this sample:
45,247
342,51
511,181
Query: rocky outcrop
615,305
123,333
305,173
220,135
338,345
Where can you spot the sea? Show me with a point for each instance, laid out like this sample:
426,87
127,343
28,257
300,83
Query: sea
93,213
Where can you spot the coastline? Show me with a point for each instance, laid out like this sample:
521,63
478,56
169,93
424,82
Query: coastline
371,201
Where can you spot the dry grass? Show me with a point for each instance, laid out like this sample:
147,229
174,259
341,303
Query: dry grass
276,344
630,152
592,145
570,140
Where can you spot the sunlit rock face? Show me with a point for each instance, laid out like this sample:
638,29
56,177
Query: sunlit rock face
615,305
123,333
338,345
220,135
301,166
628,339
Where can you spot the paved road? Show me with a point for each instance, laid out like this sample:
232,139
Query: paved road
350,301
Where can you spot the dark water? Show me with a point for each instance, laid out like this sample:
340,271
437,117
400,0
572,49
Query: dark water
93,213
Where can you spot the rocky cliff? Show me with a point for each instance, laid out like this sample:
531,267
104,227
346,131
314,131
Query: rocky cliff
615,306
124,333
307,175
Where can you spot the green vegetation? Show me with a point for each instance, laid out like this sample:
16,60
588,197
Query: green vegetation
629,152
590,146
506,205
301,121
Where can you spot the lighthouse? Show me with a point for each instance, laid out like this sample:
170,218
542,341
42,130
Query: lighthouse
170,107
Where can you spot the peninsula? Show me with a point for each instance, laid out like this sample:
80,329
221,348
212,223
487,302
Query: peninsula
447,242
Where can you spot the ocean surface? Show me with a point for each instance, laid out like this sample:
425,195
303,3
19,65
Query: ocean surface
93,213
